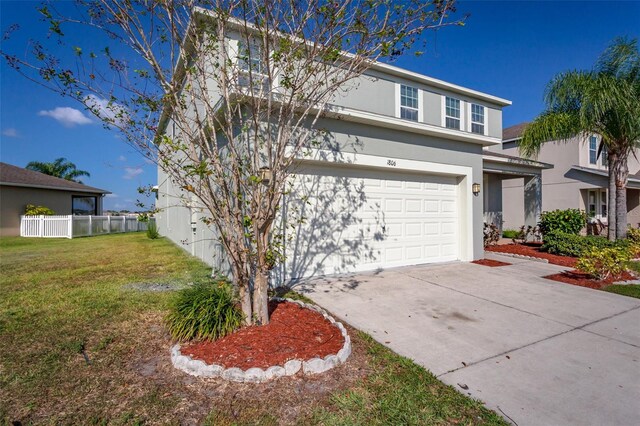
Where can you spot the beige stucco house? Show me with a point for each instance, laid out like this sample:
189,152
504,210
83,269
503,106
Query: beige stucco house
19,187
578,179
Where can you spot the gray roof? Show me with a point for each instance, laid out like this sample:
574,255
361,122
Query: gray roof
11,175
633,181
514,132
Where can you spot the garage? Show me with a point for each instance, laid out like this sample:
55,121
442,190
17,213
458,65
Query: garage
343,219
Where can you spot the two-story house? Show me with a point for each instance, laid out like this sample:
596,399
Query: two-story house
578,179
399,184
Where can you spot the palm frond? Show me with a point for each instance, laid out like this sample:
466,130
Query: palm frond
549,126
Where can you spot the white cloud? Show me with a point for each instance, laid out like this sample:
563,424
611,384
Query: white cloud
110,112
111,196
10,132
132,172
69,117
122,158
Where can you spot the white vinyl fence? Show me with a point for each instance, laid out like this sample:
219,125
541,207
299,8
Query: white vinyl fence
69,226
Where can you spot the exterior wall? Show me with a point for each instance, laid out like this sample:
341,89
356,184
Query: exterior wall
13,200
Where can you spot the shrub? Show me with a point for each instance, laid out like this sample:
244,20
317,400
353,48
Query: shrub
491,234
603,263
570,221
31,210
564,244
152,230
527,232
510,233
205,311
633,234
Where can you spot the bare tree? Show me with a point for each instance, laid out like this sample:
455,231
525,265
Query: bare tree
238,87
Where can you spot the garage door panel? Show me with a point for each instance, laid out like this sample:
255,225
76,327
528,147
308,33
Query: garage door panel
364,219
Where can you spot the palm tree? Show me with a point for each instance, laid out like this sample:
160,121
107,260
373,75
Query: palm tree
603,101
60,167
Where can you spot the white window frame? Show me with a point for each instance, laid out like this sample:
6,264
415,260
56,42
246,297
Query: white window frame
399,103
594,150
444,113
266,88
470,118
600,200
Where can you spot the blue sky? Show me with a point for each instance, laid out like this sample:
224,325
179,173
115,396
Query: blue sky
507,48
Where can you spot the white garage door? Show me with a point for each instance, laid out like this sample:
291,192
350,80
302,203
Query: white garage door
343,220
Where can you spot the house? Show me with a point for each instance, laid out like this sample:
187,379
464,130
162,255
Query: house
19,187
400,185
578,179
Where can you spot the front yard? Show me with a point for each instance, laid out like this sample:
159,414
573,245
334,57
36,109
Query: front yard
83,341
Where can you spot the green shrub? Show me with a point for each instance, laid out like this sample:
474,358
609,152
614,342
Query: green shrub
152,230
570,221
633,234
510,233
31,210
206,311
602,263
564,244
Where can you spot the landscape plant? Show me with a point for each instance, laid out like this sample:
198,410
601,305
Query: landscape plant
604,101
231,156
569,221
491,234
603,263
152,229
31,210
205,311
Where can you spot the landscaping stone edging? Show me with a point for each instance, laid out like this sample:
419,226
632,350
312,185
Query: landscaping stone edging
520,256
258,375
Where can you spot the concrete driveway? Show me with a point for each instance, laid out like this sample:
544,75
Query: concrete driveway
537,351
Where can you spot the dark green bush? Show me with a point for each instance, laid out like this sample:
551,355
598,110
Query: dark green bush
565,244
152,230
206,311
570,221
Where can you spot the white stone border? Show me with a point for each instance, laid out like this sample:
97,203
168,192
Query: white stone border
258,375
520,256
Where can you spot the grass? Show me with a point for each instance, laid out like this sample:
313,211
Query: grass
631,290
81,346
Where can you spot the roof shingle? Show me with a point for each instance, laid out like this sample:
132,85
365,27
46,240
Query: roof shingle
17,176
514,132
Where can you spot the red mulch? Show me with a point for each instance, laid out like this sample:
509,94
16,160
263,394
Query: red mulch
491,263
581,279
293,332
533,250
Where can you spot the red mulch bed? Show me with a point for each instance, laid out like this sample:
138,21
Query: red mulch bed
490,262
533,250
584,280
293,332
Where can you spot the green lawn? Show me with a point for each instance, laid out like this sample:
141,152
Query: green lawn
63,302
631,290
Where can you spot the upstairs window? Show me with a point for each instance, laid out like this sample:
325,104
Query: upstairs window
251,67
408,103
605,156
452,113
593,150
477,119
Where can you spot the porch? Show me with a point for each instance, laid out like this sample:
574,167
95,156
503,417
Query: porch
498,170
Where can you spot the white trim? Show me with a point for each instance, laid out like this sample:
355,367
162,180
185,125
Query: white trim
420,106
465,200
397,87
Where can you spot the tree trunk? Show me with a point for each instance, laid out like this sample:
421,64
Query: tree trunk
621,173
611,195
261,296
245,303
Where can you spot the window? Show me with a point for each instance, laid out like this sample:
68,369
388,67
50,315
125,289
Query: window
409,103
597,203
591,209
477,119
593,150
452,113
603,203
605,156
252,67
84,205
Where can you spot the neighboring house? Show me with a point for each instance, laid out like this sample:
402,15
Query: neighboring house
398,189
19,187
577,180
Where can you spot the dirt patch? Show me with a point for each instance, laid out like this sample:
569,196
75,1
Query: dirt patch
293,332
585,280
533,250
490,263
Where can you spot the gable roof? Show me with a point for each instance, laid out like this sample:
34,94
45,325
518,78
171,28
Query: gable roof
514,132
11,175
